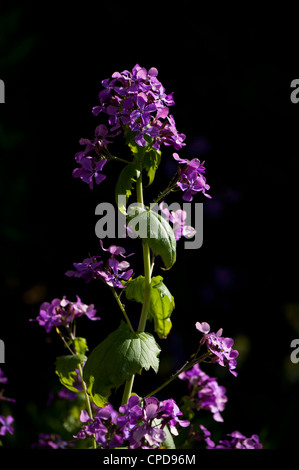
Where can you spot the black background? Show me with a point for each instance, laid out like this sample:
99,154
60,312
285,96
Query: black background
231,84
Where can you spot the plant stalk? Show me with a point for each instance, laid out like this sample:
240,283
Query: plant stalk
147,285
186,366
94,444
146,264
122,309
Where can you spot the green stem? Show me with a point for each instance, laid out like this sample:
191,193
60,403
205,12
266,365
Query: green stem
185,367
75,353
127,390
171,187
146,264
121,159
94,444
122,309
88,404
147,284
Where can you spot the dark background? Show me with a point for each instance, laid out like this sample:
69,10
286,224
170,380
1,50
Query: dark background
231,84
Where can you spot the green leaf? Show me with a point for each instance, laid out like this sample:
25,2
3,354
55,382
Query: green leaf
151,161
146,157
122,354
81,345
124,185
161,307
168,443
66,369
156,230
135,289
130,140
161,302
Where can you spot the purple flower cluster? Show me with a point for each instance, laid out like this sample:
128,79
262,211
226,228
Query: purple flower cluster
113,272
5,421
205,392
235,440
61,312
137,101
191,179
50,441
92,165
138,424
219,347
238,441
178,219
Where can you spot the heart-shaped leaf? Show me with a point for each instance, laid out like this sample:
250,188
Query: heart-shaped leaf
156,230
122,354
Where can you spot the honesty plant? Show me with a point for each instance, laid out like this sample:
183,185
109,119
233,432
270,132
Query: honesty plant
135,107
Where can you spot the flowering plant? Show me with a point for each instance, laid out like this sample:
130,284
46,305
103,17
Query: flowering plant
135,106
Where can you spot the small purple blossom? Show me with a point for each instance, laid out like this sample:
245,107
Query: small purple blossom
178,219
218,346
113,272
6,425
89,269
3,380
205,392
61,312
90,170
191,179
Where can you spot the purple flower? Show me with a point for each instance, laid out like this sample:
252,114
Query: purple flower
113,272
97,144
131,414
238,441
89,269
66,394
143,111
5,425
50,441
178,218
116,270
191,179
90,170
3,380
62,312
201,435
147,422
95,427
205,393
170,412
219,347
169,135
